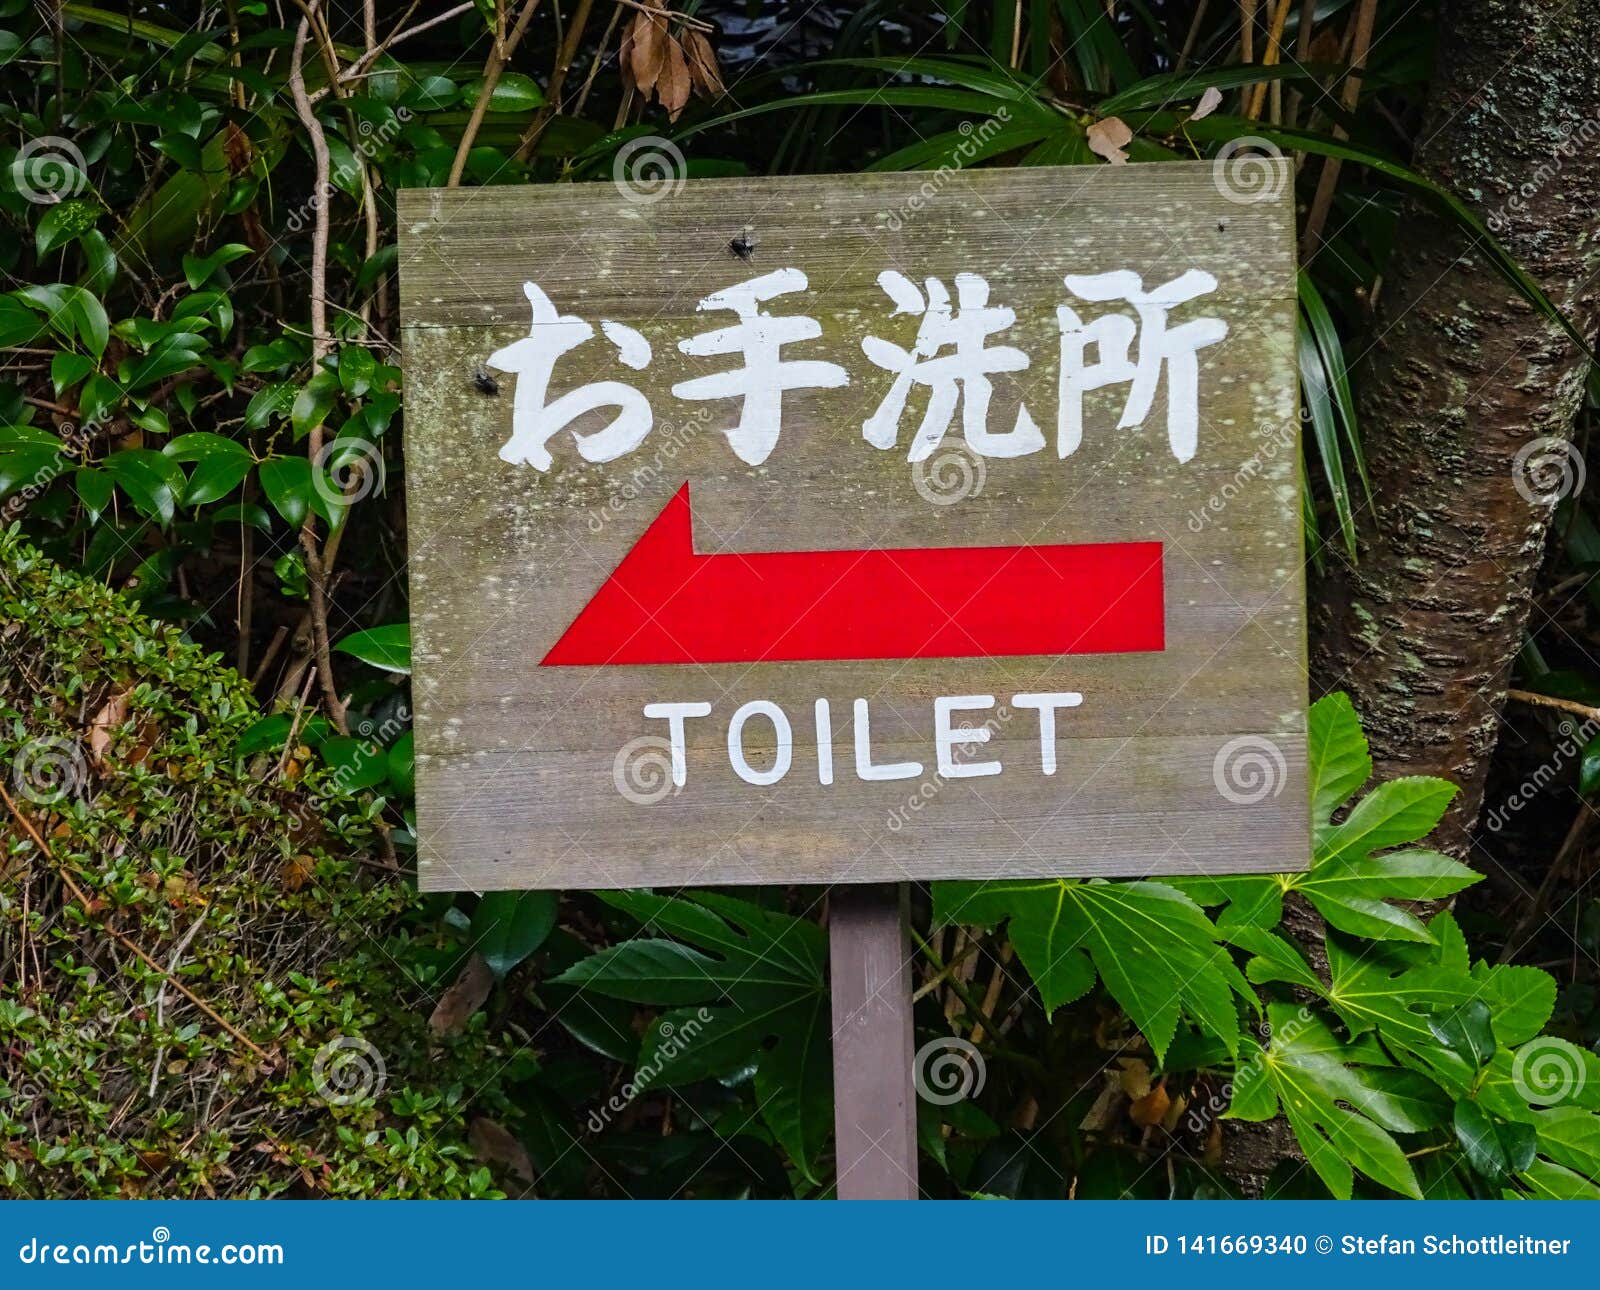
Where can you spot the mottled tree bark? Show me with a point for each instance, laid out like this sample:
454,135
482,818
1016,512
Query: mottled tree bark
1460,375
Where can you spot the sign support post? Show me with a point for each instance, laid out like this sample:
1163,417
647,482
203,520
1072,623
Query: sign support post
875,1102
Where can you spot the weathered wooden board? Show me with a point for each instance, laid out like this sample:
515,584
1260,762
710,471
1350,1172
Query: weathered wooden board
1183,758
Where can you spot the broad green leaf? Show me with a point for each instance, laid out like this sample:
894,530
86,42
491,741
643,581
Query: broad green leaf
508,926
1337,753
63,222
1467,1031
1151,945
387,648
1551,1182
355,763
287,484
67,369
1336,1109
197,270
94,491
201,444
152,482
313,403
215,477
1570,1136
758,978
272,400
1494,1148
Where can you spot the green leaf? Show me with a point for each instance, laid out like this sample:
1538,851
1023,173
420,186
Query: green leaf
1340,1111
1348,885
1551,1182
508,926
1494,1148
1467,1032
201,445
1395,812
271,400
1175,87
152,482
94,491
1150,944
197,270
356,763
215,477
387,648
1337,752
287,483
403,766
67,369
313,403
63,222
758,977
513,93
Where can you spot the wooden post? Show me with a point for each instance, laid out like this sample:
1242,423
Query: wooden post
875,1103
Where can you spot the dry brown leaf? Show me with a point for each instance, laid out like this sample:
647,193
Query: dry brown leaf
649,53
674,86
494,1145
105,722
297,871
1135,1077
1169,1121
1102,1115
457,1004
1151,1108
703,69
1209,102
1108,138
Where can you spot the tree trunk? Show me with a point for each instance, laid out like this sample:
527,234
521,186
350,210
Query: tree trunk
1460,379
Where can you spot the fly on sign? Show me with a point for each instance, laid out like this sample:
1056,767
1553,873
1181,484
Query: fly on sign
950,530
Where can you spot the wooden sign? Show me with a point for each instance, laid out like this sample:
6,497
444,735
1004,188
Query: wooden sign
855,529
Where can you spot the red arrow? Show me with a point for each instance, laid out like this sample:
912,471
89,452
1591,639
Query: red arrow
666,604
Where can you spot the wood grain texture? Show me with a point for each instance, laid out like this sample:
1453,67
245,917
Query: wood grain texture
874,1089
516,763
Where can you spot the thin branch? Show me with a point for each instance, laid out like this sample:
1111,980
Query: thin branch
82,897
1328,179
499,56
